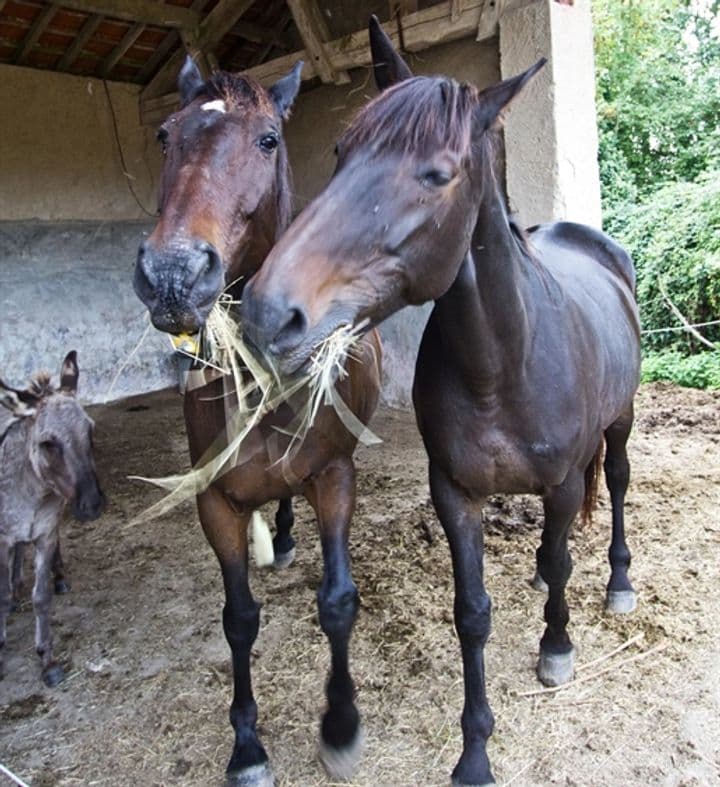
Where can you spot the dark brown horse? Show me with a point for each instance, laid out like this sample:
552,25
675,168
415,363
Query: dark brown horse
530,357
224,200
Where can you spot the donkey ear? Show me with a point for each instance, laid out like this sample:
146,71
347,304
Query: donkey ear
283,92
388,66
190,81
20,403
493,101
69,374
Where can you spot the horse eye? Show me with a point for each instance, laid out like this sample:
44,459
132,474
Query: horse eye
268,143
435,178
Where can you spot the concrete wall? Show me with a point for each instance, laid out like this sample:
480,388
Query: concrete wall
58,152
69,287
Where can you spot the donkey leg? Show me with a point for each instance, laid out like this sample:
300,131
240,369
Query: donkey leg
17,579
556,664
52,672
226,531
284,543
620,594
332,495
58,567
461,518
5,594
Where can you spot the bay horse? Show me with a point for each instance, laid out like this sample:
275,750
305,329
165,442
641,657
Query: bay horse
530,356
224,200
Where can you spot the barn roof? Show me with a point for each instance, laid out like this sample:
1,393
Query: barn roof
145,41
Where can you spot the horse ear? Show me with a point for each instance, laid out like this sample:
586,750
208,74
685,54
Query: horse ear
190,81
69,374
283,92
388,66
20,403
493,101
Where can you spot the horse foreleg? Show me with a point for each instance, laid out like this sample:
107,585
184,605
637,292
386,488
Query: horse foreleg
556,664
52,672
5,594
226,531
461,519
284,543
620,594
332,495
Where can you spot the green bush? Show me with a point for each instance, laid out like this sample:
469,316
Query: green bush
674,240
694,371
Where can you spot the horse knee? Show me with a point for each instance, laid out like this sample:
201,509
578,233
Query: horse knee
337,609
241,625
472,619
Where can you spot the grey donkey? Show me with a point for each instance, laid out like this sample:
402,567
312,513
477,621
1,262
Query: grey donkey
46,461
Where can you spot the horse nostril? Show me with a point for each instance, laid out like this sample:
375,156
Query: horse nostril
291,332
144,279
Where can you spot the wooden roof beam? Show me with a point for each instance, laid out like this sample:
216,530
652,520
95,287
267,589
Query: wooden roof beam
41,22
146,12
314,34
118,53
423,29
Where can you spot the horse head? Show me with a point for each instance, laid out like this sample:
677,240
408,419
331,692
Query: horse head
223,197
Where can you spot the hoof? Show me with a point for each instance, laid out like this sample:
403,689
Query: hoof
620,602
284,559
52,675
254,776
538,583
554,669
62,586
342,763
456,783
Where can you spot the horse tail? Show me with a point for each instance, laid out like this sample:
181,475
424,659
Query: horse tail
592,478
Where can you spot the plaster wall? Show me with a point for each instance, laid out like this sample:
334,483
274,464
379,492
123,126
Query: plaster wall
59,158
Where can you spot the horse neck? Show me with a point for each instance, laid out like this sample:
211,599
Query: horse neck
265,233
484,318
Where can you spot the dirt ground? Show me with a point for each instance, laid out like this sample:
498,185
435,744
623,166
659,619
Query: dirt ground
148,687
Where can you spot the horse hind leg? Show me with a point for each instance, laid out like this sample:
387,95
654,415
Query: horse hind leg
621,597
62,585
556,662
284,543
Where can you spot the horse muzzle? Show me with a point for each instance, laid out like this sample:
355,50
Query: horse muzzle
179,284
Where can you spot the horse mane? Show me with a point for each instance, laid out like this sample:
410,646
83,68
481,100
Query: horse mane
418,115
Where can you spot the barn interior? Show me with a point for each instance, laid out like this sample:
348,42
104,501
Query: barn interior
85,83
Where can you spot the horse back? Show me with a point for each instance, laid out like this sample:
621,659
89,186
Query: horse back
588,241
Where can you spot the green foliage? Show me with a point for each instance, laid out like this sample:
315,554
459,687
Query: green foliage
658,71
674,240
695,371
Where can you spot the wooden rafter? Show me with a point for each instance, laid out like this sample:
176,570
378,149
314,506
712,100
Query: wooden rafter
146,12
220,20
39,25
265,51
118,53
260,35
423,29
314,34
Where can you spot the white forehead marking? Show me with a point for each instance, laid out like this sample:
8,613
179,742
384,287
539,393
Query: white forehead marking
218,106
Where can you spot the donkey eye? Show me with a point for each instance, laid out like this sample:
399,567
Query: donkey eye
268,143
51,447
434,178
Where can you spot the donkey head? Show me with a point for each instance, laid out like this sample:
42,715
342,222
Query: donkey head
60,445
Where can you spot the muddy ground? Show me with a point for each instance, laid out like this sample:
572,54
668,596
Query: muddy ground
148,687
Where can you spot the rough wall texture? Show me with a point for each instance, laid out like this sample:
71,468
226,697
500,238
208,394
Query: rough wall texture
68,287
551,133
58,152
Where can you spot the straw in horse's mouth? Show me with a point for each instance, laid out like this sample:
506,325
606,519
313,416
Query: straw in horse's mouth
258,389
